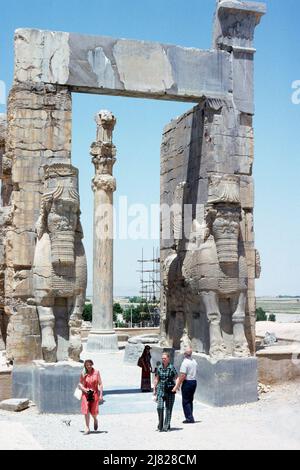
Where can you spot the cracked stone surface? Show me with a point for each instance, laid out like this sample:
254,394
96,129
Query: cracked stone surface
121,66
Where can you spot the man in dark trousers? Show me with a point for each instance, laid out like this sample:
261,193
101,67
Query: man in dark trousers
187,381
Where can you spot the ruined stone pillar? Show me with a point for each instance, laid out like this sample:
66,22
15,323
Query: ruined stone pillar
102,336
2,230
38,134
234,28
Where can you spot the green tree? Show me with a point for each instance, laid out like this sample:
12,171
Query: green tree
272,317
118,308
134,314
87,313
135,300
261,315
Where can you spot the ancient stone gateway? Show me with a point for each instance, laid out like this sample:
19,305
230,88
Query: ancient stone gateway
207,158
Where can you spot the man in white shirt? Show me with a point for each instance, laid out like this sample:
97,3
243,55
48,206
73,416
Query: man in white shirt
187,379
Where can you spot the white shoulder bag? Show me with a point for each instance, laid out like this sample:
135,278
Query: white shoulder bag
78,393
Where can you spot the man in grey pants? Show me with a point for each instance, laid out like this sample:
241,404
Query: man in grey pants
187,381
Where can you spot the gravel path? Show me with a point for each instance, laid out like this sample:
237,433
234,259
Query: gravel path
128,421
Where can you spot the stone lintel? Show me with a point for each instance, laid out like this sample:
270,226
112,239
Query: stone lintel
103,65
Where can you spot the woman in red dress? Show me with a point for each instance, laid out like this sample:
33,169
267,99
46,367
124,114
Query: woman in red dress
92,388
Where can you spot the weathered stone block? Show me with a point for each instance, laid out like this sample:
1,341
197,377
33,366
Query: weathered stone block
3,126
38,48
49,386
248,227
247,192
278,364
48,130
108,65
243,66
23,249
227,382
26,168
24,340
14,404
5,383
235,22
27,207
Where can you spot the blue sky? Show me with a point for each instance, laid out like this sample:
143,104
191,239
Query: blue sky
140,122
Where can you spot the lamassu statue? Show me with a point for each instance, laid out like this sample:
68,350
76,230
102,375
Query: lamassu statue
59,268
212,275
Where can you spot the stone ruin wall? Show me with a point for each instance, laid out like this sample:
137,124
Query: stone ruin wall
212,138
38,134
4,213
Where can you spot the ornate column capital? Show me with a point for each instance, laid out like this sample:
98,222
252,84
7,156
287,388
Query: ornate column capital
103,149
104,182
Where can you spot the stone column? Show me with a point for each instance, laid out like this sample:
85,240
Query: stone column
102,336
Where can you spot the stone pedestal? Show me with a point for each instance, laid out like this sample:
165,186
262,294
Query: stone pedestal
102,341
49,385
226,382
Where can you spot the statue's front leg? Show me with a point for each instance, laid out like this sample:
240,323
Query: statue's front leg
78,306
240,343
217,347
47,323
163,342
75,323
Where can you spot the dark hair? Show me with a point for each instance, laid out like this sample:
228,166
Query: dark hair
146,351
87,361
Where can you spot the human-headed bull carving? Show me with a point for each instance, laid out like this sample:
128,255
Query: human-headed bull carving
59,268
213,271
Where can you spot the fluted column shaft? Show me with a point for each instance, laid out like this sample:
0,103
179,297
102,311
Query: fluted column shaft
102,336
